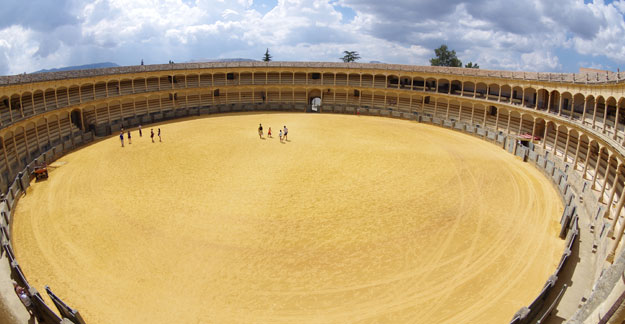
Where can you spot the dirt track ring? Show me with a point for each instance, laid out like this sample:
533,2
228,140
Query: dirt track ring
355,219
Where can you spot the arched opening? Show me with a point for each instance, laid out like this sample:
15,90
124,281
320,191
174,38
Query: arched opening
529,100
314,101
456,87
578,106
567,104
481,89
554,103
469,89
443,86
542,96
76,118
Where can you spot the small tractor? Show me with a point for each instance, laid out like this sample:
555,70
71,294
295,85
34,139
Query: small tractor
40,171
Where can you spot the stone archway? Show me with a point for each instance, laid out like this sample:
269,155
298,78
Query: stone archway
314,101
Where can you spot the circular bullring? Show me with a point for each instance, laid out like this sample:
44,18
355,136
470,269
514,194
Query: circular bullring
354,219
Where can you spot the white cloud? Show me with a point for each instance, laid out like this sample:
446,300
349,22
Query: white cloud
497,34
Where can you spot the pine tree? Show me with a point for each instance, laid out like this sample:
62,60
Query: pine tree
267,56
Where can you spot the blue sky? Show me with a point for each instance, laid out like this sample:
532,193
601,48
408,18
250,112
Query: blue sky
529,35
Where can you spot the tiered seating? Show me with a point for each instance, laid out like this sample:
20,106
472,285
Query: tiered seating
219,79
86,93
128,110
528,126
154,104
88,116
354,80
53,129
465,113
341,79
404,104
247,97
340,98
314,78
27,104
454,110
139,85
31,136
193,100
206,80
167,103
10,152
66,128
115,112
165,83
428,109
352,100
5,113
300,96
74,95
232,79
20,144
62,97
515,123
232,98
490,119
245,78
379,81
141,106
193,81
102,115
378,100
112,89
300,78
479,113
260,97
125,87
178,81
273,96
571,149
273,78
260,78
328,79
287,77
100,92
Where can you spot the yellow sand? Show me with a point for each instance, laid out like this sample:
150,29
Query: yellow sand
354,220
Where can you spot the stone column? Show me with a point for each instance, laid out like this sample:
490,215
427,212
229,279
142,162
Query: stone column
605,179
594,177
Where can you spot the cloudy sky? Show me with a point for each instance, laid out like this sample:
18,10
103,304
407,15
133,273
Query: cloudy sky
531,35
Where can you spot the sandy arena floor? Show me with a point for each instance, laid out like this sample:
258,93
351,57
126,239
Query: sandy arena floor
354,220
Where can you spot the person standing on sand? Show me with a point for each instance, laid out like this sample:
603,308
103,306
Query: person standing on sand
152,134
129,138
159,135
280,136
286,133
140,133
121,138
260,131
269,132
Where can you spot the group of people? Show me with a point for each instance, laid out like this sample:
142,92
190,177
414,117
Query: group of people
283,133
121,135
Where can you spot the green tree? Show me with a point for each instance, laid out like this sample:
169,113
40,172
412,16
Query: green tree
444,57
267,56
472,65
350,56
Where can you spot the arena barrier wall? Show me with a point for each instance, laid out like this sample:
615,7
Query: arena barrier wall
8,201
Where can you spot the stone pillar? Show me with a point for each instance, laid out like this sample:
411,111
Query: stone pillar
619,206
594,178
586,160
618,232
605,179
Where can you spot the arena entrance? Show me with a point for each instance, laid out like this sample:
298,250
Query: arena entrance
76,119
314,102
